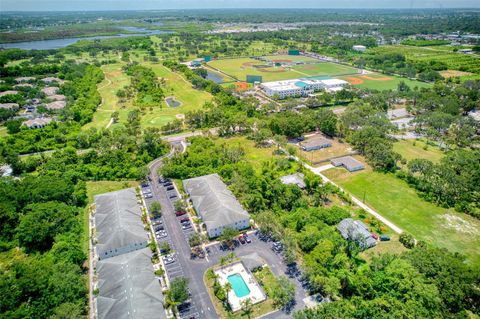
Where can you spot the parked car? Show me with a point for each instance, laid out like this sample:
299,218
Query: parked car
180,213
242,240
156,222
149,195
184,219
171,196
161,234
384,238
168,259
186,226
170,188
247,238
159,228
375,236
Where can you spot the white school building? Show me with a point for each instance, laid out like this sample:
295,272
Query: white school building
301,87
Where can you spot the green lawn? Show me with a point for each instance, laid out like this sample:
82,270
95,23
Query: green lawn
115,79
290,57
412,149
175,85
382,82
325,69
255,155
394,199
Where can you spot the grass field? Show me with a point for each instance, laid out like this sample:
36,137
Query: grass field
381,82
175,85
241,67
294,58
445,54
412,149
394,199
255,155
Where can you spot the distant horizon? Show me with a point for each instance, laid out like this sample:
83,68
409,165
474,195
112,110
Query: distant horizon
240,8
143,5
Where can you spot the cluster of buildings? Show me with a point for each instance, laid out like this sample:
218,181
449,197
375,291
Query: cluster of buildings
50,99
301,87
126,284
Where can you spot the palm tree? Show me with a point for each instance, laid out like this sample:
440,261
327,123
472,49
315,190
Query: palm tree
169,303
247,307
227,288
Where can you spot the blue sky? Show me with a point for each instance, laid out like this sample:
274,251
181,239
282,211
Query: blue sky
55,5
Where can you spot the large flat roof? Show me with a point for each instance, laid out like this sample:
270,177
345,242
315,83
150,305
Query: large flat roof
128,288
118,220
214,202
316,140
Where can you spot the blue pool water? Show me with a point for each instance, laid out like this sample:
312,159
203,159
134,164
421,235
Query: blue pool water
238,285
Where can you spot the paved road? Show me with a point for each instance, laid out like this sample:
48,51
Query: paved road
201,306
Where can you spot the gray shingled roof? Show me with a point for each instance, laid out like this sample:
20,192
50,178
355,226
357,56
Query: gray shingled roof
128,287
214,201
356,230
118,220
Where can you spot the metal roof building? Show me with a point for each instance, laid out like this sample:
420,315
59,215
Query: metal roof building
357,231
350,163
315,143
118,222
216,204
128,288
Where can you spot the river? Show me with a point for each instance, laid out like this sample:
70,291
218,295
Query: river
61,43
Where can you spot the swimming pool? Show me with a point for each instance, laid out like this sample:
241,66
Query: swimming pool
238,285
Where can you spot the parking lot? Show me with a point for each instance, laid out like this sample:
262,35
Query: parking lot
181,263
165,228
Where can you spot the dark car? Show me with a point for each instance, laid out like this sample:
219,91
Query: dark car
159,227
247,238
170,188
180,213
241,239
185,220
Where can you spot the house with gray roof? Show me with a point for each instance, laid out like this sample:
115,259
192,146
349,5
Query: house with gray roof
127,287
8,92
357,231
350,163
39,122
55,105
294,179
315,143
118,223
215,204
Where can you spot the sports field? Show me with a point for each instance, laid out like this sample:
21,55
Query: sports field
381,82
241,67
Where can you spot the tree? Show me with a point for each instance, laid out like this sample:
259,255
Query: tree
227,235
227,288
41,222
155,209
407,240
283,292
179,290
247,308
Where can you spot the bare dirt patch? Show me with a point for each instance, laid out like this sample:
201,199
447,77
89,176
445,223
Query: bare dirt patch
353,81
453,73
459,224
385,78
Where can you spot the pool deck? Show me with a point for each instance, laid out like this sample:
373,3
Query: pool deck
256,294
